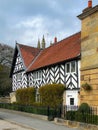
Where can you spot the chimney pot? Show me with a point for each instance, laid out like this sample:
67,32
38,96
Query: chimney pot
55,40
89,3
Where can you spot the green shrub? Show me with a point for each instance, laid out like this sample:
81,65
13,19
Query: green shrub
86,87
84,108
80,117
70,115
86,118
83,113
37,104
25,96
51,94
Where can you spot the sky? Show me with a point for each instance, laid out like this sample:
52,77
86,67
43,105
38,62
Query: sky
26,21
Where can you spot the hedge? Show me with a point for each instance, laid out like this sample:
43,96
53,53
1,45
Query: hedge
25,96
51,94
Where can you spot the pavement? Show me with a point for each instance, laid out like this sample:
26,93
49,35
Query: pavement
5,125
12,120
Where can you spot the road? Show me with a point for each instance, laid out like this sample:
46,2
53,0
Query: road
5,125
31,122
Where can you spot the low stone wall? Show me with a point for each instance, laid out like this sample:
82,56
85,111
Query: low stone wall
4,99
74,124
13,97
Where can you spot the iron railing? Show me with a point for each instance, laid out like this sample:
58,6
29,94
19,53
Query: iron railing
66,112
74,114
41,110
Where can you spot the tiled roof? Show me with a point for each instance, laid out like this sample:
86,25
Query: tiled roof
28,53
66,49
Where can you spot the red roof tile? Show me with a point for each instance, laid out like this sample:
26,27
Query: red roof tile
66,49
28,53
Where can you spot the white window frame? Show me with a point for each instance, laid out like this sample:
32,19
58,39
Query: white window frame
70,67
37,75
19,76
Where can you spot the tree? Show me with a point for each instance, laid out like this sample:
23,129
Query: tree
5,81
6,54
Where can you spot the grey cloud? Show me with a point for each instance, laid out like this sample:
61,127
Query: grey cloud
58,18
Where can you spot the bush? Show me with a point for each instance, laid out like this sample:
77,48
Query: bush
84,108
83,113
70,115
86,87
25,96
51,94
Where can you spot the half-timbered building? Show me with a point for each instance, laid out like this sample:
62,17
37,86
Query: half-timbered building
71,61
59,63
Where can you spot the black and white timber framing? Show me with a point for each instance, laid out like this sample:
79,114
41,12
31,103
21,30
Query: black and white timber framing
48,75
19,78
56,74
52,74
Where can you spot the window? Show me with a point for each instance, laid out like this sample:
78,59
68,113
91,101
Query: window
19,76
71,67
37,75
71,101
34,75
68,68
40,74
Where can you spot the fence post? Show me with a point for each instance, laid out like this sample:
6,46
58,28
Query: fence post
60,111
48,111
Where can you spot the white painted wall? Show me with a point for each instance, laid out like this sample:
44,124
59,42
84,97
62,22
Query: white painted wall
21,83
71,94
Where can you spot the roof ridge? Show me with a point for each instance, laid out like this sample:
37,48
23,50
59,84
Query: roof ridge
58,52
64,39
70,36
26,45
34,60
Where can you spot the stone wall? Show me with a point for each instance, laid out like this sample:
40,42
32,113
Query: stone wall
89,42
4,99
74,124
89,56
12,97
91,97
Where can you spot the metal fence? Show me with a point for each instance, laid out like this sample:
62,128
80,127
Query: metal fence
41,110
72,113
87,115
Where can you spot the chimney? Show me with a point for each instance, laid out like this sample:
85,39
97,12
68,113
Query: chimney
55,40
90,4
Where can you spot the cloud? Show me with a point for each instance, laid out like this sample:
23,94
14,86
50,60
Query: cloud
27,20
34,22
30,30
